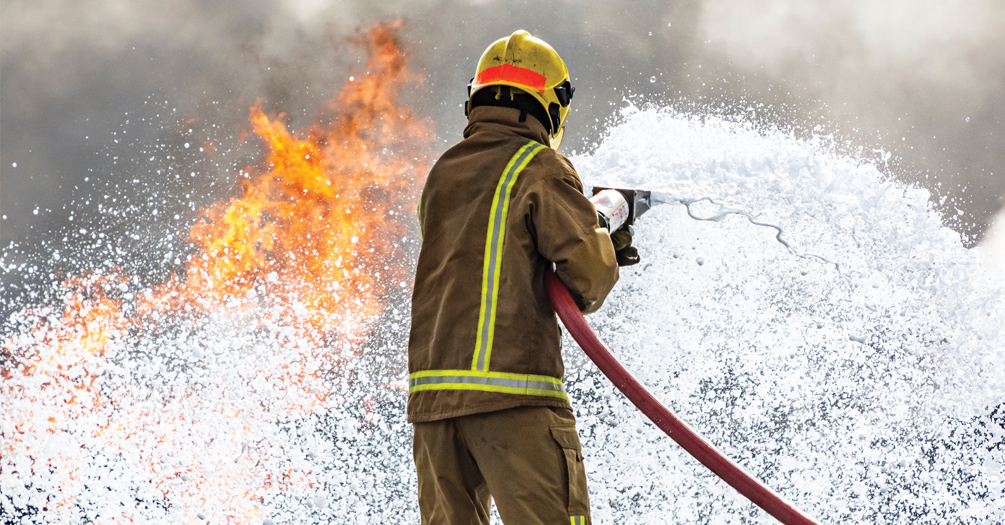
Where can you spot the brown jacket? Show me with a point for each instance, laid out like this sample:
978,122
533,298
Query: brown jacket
497,210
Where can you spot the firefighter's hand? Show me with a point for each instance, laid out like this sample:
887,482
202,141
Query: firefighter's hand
626,253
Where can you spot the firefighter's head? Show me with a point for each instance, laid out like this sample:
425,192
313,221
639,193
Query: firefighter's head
524,72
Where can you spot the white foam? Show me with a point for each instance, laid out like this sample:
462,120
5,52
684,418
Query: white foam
836,365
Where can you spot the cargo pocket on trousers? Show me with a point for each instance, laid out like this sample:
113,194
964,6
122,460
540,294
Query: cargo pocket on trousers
579,499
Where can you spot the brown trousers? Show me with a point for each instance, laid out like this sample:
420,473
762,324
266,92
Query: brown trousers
527,459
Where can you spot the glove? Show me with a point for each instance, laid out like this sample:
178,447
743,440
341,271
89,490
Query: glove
626,253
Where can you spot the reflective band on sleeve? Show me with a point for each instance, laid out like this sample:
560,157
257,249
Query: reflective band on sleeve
577,520
493,254
503,382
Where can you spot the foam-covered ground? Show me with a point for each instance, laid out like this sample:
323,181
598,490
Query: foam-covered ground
854,365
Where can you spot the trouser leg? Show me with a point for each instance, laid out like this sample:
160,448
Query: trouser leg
452,491
532,463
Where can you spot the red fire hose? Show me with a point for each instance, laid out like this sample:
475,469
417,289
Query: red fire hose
694,444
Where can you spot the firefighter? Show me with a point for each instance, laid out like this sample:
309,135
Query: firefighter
490,415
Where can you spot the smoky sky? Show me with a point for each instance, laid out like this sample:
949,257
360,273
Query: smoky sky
84,86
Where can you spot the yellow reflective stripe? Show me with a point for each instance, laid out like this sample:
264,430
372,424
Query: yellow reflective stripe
503,382
493,375
492,265
490,388
577,520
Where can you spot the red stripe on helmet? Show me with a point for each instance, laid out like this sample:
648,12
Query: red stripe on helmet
511,73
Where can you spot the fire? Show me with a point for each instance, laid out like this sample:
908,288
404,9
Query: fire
310,246
324,213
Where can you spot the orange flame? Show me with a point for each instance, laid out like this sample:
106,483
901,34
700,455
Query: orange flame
314,241
321,220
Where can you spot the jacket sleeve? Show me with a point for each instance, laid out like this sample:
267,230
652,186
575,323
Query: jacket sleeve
564,224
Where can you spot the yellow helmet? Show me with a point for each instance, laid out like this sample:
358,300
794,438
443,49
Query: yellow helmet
531,65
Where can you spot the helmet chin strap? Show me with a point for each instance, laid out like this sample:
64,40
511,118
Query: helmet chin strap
510,97
555,141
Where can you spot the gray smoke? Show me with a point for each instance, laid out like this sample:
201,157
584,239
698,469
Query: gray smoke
921,79
925,78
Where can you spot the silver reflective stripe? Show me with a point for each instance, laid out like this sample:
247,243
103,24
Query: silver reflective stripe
493,250
521,384
499,382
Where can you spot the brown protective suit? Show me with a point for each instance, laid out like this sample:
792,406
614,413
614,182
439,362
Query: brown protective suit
497,210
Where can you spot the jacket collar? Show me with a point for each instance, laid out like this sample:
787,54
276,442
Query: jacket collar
496,119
